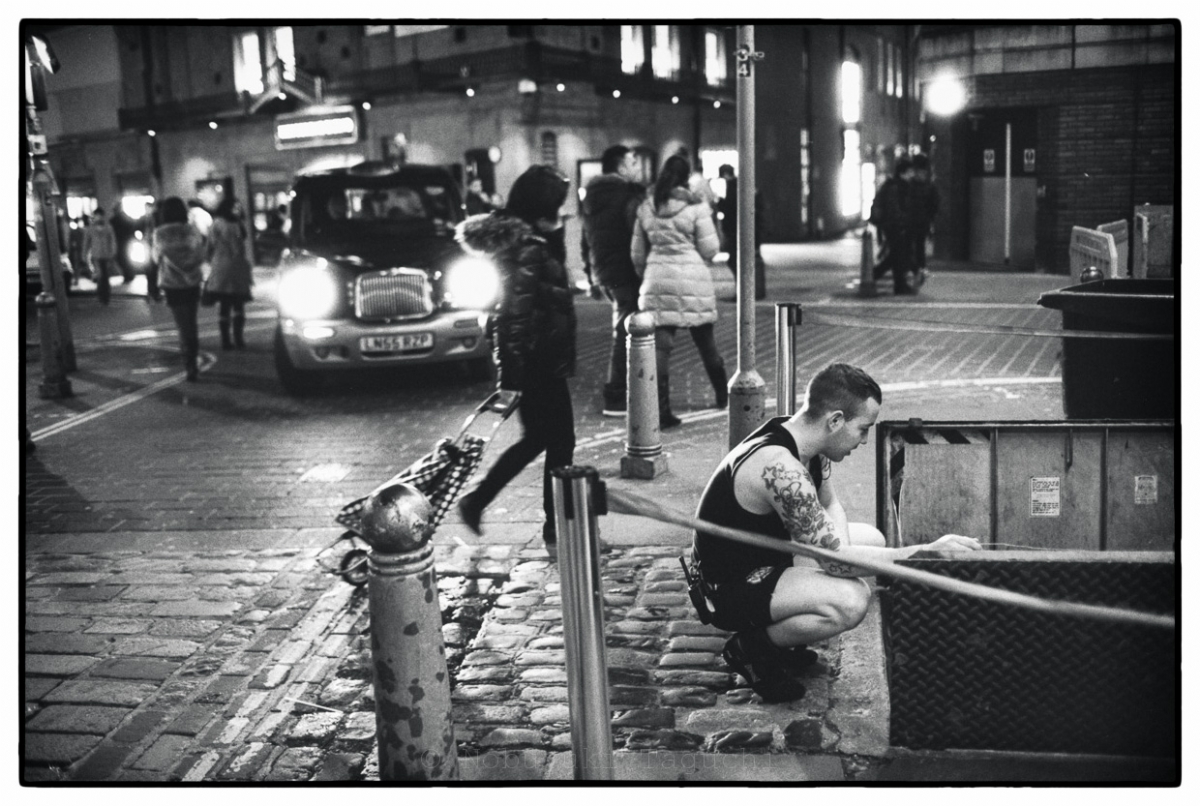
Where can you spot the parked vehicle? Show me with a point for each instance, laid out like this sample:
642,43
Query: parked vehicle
372,276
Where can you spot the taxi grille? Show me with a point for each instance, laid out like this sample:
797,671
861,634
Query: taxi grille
393,294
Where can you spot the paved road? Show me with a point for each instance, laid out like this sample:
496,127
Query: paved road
180,623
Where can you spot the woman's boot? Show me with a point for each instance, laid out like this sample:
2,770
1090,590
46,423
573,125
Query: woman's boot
226,342
239,328
720,383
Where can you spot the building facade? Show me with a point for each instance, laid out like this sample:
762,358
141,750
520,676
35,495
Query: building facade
200,111
1056,126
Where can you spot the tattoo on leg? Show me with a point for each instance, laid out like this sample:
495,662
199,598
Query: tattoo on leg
802,513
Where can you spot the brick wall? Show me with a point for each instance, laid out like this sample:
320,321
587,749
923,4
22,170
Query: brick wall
1106,143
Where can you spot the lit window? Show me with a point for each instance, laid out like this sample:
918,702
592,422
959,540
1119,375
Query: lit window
849,187
376,30
714,57
247,65
633,52
285,51
851,92
891,69
868,189
664,50
899,75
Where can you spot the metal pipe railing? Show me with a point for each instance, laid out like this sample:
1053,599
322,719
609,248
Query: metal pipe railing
576,493
787,317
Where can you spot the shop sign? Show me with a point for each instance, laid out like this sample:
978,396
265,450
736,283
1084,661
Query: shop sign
331,126
1030,160
989,160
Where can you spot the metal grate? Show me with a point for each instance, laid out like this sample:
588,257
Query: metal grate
393,294
968,674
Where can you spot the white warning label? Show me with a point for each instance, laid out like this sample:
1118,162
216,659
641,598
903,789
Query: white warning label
1044,497
1145,489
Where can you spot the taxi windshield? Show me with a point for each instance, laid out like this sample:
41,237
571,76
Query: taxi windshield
347,214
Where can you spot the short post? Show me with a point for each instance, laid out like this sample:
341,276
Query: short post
643,457
576,493
414,723
866,282
787,317
54,383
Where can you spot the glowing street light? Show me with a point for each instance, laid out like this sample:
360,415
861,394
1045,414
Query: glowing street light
946,95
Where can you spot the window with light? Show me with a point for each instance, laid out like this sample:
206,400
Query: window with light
851,92
285,51
849,187
633,48
714,58
247,65
664,50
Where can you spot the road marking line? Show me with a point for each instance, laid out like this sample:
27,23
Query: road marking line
207,360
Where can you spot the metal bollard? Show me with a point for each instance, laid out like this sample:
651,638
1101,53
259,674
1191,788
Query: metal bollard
787,317
644,458
576,492
866,282
54,383
414,723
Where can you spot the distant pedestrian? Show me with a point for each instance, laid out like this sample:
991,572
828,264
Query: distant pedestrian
180,250
891,213
151,220
232,275
924,202
609,212
673,241
100,249
478,202
534,334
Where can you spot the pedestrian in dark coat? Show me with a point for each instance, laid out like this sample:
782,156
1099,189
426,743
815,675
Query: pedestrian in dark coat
180,250
891,214
232,275
609,211
534,336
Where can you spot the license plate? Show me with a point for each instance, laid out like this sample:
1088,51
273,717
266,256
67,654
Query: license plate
403,343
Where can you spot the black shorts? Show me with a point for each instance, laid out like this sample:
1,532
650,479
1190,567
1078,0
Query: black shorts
744,604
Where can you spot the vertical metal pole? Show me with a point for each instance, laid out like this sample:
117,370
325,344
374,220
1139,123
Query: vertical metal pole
787,316
414,723
747,390
1007,193
583,622
644,458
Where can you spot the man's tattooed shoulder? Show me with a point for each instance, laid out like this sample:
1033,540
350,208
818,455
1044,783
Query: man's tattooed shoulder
802,513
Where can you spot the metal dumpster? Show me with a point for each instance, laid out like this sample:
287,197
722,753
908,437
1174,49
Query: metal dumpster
1115,378
1071,511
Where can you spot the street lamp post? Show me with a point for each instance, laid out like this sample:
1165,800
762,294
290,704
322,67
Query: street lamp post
747,390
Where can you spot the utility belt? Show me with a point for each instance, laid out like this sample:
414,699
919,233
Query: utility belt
698,590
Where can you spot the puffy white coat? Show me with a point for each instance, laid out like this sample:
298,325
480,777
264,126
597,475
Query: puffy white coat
671,249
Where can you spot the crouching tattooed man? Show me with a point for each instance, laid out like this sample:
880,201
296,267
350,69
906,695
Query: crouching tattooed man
777,482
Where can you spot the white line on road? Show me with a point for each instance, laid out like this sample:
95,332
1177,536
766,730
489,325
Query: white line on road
207,360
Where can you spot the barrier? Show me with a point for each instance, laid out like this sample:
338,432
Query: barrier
1153,240
1091,247
578,496
644,458
1119,230
413,719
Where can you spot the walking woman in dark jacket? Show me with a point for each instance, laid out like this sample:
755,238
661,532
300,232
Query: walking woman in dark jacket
180,250
534,347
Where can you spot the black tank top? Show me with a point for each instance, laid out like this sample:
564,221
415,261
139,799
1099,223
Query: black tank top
722,560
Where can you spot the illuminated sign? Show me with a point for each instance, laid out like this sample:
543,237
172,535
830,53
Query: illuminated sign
326,127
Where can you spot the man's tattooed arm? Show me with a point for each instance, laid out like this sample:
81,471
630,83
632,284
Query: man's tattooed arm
796,501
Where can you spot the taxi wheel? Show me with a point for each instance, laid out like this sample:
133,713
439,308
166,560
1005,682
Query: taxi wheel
295,381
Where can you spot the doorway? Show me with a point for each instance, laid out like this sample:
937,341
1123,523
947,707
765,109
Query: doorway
1002,187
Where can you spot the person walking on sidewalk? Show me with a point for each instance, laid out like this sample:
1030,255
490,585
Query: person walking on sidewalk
778,483
179,250
231,277
100,249
924,202
673,241
891,213
609,212
534,334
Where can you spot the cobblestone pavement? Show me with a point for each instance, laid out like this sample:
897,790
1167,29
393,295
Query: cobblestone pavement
181,623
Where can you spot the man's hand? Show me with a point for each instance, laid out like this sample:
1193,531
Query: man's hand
954,543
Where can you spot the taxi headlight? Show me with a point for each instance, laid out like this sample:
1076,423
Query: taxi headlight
472,283
308,292
137,252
